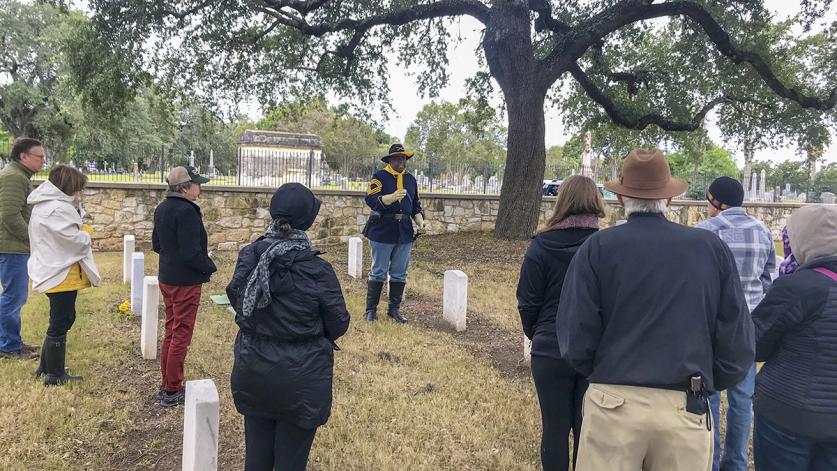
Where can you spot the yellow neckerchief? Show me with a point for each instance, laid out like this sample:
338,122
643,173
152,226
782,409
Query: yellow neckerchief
399,177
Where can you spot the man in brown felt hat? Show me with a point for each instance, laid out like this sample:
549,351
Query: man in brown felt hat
653,314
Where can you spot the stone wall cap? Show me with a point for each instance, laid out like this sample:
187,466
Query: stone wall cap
425,195
255,137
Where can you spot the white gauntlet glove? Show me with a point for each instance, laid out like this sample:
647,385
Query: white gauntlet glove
421,223
393,197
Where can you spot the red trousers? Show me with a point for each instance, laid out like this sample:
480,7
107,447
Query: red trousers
181,310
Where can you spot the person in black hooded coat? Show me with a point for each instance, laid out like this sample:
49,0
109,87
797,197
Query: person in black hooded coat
560,389
290,310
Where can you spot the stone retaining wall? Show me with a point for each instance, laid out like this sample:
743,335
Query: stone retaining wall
236,216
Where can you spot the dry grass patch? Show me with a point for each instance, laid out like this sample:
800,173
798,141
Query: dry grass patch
418,397
405,397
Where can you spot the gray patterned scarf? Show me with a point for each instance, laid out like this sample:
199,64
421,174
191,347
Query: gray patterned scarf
257,293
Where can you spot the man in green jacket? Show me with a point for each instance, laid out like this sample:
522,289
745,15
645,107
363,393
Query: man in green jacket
27,158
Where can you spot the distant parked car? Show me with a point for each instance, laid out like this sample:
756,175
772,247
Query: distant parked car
550,188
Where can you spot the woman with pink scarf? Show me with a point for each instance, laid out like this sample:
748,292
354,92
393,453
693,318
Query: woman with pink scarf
560,389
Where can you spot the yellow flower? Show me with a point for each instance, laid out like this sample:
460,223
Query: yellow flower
125,306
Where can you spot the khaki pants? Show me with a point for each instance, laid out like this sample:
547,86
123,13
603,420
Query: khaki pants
629,428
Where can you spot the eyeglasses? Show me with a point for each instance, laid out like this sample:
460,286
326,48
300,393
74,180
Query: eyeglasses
42,156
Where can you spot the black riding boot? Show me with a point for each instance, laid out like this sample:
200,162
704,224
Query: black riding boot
56,349
373,295
42,366
396,292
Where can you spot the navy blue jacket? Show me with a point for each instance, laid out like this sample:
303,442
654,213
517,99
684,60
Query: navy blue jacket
651,303
796,337
390,230
539,288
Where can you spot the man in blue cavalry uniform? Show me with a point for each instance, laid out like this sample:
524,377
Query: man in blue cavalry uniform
393,197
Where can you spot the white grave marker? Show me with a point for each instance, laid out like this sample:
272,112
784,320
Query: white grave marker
200,426
527,350
128,244
455,300
150,317
355,257
137,274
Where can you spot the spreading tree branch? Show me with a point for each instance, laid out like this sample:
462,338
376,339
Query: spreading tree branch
545,21
181,15
403,16
275,24
641,122
302,6
632,80
279,10
591,32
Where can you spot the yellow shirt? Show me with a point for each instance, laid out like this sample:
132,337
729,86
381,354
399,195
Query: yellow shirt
76,279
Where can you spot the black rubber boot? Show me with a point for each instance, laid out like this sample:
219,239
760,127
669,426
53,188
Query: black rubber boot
56,349
373,295
42,366
396,292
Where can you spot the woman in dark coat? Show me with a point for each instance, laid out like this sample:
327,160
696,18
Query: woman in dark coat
795,402
560,390
290,310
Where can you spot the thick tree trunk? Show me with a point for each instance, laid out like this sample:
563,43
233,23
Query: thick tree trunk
508,51
21,124
521,194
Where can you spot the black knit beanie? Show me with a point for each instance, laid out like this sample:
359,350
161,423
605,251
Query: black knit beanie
295,203
725,192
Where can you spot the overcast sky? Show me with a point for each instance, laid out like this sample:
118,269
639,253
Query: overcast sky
463,63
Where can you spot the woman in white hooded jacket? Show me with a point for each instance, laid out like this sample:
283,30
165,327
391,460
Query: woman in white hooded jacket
61,262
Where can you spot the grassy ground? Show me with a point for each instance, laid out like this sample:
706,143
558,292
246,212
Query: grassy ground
406,397
415,397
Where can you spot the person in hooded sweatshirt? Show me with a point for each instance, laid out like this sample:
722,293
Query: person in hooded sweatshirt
795,402
61,261
289,310
560,389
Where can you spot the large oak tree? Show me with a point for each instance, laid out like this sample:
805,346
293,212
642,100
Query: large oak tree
640,62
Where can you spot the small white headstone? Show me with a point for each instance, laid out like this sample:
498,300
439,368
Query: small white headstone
356,257
455,300
200,426
128,244
137,275
775,273
150,317
527,350
828,197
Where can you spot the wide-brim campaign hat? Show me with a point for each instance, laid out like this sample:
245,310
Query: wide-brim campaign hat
397,149
646,175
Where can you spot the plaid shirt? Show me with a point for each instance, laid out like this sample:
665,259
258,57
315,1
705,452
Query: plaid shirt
751,245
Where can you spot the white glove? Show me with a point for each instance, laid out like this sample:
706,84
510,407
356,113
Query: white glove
421,223
393,197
